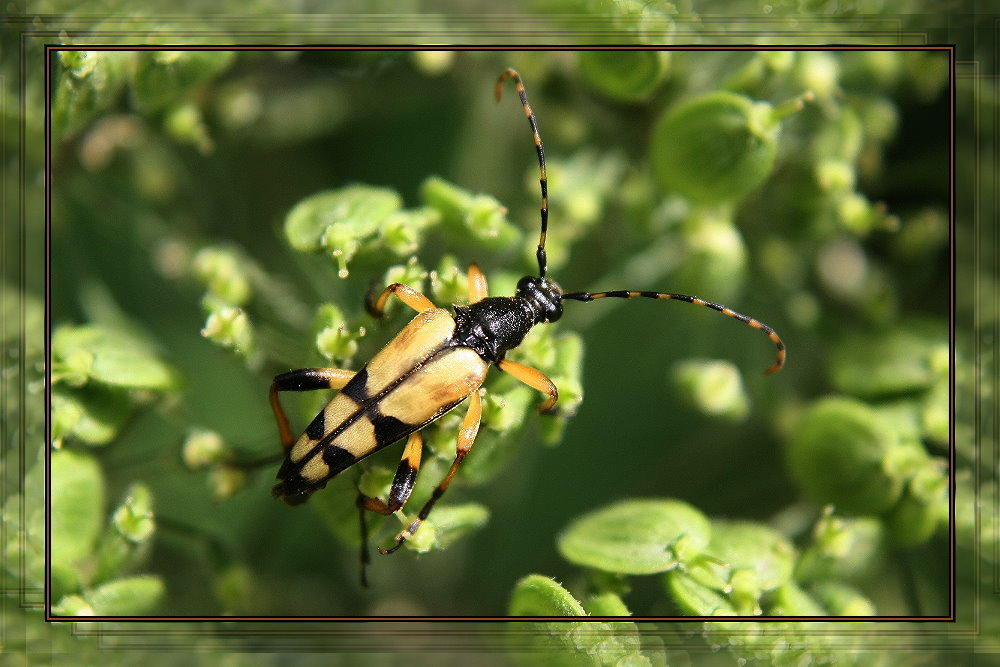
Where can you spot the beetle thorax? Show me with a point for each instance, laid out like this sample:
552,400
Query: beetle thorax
497,324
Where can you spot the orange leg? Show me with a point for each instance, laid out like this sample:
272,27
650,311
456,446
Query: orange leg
304,379
466,436
478,289
404,293
534,379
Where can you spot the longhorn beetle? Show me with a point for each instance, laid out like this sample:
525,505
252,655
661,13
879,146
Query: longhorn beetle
437,361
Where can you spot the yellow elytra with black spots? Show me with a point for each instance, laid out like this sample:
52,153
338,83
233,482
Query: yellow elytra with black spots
418,376
437,361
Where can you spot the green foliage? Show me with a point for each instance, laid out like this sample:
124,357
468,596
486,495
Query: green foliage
569,643
536,595
91,564
636,537
339,221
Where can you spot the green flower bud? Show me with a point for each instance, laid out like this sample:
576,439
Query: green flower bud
223,271
202,448
841,548
625,76
225,481
535,595
230,327
333,338
134,517
917,516
89,84
790,600
840,453
714,387
715,148
186,123
756,558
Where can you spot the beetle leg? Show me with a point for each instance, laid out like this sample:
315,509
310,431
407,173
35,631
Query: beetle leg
534,379
304,379
466,436
402,483
404,293
478,289
399,493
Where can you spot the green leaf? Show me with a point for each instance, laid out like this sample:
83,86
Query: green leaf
480,216
891,362
336,506
537,595
93,352
636,536
165,77
93,414
339,221
88,84
453,521
234,588
695,598
77,505
72,605
132,596
843,600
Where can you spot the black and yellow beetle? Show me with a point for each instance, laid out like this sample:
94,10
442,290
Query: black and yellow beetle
437,361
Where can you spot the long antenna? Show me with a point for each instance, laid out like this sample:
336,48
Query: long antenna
725,310
512,74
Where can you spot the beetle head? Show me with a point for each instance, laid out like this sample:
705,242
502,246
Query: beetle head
544,295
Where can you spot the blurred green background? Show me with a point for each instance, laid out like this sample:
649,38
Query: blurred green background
836,235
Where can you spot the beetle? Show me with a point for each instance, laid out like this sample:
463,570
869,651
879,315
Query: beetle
436,362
